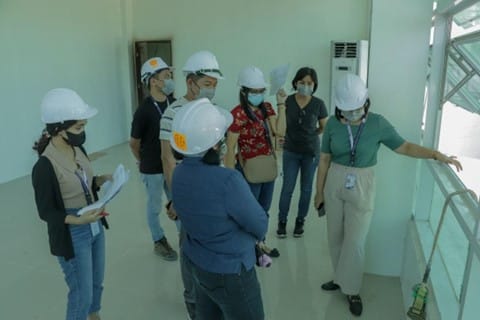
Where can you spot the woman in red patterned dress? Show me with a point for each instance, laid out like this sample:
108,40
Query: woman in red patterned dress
253,121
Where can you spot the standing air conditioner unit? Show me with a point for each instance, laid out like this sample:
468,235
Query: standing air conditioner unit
347,57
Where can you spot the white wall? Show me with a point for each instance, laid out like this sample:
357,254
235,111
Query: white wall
61,43
264,33
397,75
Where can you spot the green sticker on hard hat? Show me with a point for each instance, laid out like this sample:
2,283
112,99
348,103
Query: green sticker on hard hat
180,140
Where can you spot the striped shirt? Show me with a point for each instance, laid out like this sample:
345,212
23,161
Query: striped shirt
167,118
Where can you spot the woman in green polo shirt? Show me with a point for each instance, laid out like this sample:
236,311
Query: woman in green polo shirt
346,181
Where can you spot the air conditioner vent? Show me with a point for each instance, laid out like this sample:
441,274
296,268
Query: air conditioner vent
345,50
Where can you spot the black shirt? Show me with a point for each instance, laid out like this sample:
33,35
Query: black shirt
302,125
146,128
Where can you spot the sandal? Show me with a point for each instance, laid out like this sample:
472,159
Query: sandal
355,303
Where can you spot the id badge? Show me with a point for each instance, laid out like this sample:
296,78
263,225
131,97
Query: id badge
95,228
350,180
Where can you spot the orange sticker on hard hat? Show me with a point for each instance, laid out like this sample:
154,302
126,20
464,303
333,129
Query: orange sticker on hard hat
153,62
180,140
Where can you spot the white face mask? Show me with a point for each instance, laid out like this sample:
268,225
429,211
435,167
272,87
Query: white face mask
353,115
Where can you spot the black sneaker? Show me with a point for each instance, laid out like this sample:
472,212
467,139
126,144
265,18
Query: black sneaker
281,230
355,304
298,231
163,249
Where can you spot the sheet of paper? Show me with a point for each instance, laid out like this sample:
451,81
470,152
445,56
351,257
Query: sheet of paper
109,189
278,77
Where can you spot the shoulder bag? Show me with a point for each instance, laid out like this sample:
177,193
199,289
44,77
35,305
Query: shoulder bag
262,168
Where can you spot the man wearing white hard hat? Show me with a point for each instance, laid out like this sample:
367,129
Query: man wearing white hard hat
146,148
222,221
202,73
346,180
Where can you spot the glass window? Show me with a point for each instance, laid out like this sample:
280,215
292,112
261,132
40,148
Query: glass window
460,116
466,21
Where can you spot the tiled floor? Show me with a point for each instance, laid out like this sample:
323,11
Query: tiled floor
141,286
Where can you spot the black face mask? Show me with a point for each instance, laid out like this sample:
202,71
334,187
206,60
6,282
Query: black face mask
212,157
74,139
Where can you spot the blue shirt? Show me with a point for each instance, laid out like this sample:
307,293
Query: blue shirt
220,215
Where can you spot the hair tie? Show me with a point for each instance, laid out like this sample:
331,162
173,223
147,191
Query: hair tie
46,134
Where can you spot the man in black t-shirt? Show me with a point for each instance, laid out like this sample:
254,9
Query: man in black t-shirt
145,146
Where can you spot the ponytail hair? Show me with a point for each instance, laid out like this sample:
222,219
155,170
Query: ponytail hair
212,157
51,130
40,145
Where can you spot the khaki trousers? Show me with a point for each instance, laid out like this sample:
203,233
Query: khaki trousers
348,212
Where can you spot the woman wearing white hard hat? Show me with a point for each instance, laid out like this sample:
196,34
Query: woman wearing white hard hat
346,180
63,182
222,220
254,127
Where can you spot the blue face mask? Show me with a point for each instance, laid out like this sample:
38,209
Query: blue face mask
304,90
255,99
168,86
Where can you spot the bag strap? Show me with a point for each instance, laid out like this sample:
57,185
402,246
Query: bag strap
267,136
267,131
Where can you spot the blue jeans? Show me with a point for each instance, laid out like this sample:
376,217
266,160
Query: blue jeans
263,192
154,184
227,296
84,273
292,163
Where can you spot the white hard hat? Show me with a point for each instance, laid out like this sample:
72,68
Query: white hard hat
252,77
63,104
152,66
203,62
350,92
198,126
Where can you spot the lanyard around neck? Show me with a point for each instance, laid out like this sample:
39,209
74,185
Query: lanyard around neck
158,107
82,176
354,140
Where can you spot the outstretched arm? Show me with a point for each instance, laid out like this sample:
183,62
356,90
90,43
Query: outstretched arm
415,151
